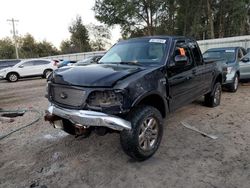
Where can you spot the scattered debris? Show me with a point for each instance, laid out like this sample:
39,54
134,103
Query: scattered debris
34,184
201,132
6,119
38,117
13,114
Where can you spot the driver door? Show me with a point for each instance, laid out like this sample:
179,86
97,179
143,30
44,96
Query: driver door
181,78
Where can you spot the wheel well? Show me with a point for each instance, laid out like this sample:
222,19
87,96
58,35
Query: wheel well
238,72
14,73
155,101
218,79
47,70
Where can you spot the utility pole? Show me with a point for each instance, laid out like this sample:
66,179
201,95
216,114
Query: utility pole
14,34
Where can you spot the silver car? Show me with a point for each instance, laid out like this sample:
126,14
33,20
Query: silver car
245,67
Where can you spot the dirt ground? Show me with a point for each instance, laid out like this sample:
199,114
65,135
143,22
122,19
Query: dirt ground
41,156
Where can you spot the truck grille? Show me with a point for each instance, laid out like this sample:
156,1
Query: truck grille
67,96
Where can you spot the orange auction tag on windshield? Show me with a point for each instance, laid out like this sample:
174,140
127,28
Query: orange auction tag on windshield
182,52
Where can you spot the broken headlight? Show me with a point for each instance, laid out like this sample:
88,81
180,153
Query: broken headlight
105,98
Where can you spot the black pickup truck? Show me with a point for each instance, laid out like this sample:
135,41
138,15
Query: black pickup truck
131,90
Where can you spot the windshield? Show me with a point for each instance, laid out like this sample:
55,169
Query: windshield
228,55
138,52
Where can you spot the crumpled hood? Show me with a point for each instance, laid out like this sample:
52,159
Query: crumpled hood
95,75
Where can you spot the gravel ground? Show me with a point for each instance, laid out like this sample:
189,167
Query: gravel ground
41,156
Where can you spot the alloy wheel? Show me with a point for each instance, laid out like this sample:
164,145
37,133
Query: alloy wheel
148,134
13,77
217,95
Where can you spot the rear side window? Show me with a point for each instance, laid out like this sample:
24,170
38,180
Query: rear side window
27,64
40,62
196,52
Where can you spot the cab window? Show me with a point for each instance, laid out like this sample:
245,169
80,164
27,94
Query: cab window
181,49
196,52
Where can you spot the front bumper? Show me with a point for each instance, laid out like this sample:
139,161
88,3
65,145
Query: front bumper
2,77
90,118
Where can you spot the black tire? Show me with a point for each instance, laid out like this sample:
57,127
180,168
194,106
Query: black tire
130,138
233,87
12,77
46,73
213,98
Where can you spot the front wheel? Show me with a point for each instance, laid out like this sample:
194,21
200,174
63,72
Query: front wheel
143,140
213,98
12,77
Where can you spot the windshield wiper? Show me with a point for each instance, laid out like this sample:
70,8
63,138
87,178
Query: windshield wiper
130,63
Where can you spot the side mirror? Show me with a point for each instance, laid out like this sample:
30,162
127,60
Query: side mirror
180,60
20,66
245,59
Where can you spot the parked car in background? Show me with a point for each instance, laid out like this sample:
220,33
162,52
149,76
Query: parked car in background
28,68
8,63
65,63
245,67
93,59
231,57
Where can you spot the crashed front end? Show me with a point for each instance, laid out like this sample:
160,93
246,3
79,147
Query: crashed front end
85,108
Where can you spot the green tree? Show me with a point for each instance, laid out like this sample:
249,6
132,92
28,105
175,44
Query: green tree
134,16
79,36
45,48
201,19
30,48
99,36
7,49
66,47
27,46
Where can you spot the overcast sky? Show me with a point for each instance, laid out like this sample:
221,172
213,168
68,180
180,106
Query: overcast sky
47,19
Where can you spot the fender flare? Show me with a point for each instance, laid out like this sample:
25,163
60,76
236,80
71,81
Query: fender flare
141,97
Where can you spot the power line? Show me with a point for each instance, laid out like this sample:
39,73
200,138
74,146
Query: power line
14,34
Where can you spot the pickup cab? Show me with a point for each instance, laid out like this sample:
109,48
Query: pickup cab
131,90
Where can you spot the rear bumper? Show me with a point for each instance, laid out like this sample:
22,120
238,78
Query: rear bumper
89,118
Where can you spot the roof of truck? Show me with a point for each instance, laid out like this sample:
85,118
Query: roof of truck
156,37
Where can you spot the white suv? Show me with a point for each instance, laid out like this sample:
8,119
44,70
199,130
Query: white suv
28,68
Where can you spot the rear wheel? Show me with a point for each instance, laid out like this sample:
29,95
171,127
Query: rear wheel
143,140
213,98
234,86
12,77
